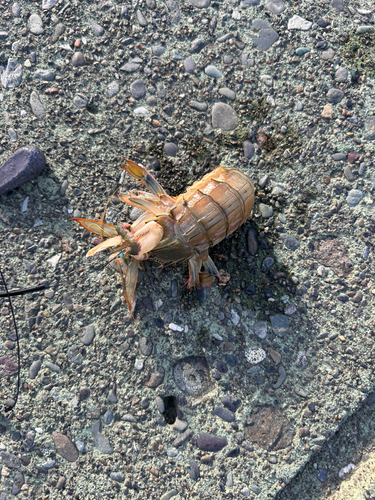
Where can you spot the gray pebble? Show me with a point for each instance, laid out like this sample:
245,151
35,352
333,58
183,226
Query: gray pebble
12,134
101,442
35,24
3,35
112,398
169,494
160,404
248,149
338,5
229,94
265,210
180,425
108,417
151,101
194,470
229,481
341,74
128,418
117,476
78,59
247,61
189,65
227,59
158,50
28,442
138,89
176,55
252,241
266,38
145,346
34,368
54,368
199,106
354,197
44,74
141,18
174,11
263,181
24,165
74,356
96,28
224,117
335,96
267,263
280,324
275,6
58,30
197,45
361,30
170,149
182,438
328,54
16,11
11,76
48,4
131,66
298,23
260,329
338,157
87,335
210,442
224,413
348,173
80,101
201,4
10,460
112,89
289,241
213,72
370,128
151,4
282,377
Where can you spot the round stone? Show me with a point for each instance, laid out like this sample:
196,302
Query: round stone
224,117
275,6
248,149
213,72
78,59
35,24
170,149
341,75
138,89
335,96
189,65
354,197
265,210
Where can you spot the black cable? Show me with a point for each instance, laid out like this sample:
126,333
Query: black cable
23,291
18,346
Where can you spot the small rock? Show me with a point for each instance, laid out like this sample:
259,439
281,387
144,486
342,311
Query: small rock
35,24
24,165
289,241
189,65
298,23
280,324
260,329
213,72
96,28
197,45
275,6
224,414
34,368
265,210
354,197
209,442
341,75
65,447
138,89
327,111
335,96
170,149
36,106
12,75
86,335
328,55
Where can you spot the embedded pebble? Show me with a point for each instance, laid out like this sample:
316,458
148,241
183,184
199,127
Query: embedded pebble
280,324
260,329
11,76
213,72
210,442
298,23
24,165
138,89
265,210
354,197
35,24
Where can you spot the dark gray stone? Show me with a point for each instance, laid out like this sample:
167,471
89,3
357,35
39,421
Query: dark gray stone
10,460
280,324
289,241
335,96
224,413
11,76
78,59
224,117
170,149
22,166
117,476
199,106
266,38
194,470
197,45
34,368
339,157
248,149
158,50
209,442
138,89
